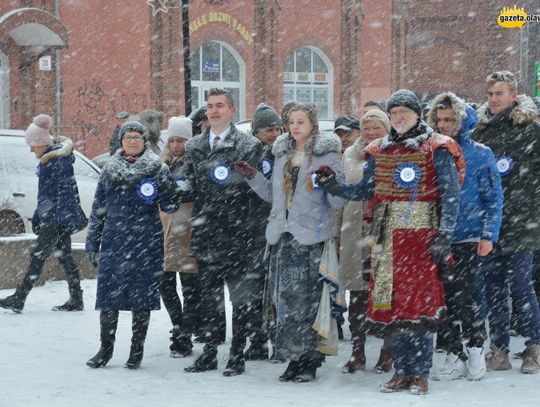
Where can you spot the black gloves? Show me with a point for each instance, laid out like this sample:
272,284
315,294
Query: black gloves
92,259
326,178
244,168
441,249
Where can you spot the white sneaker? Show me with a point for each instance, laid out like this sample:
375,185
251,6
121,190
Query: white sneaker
453,368
476,363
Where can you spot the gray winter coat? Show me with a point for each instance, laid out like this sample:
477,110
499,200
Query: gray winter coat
221,212
312,216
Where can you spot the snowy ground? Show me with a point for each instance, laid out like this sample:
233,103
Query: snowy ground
43,355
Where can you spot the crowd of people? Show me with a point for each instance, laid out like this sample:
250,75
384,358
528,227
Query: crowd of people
427,215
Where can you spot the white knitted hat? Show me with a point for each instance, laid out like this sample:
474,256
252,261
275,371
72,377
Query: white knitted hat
179,127
37,134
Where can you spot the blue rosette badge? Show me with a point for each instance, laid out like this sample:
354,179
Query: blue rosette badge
220,172
505,165
267,166
407,175
147,190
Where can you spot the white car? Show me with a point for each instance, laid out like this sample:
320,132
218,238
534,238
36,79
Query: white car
19,184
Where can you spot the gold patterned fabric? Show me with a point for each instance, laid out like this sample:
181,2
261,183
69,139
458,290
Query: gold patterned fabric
389,216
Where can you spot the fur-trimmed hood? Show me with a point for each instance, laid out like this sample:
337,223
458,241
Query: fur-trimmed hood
523,112
466,117
62,147
324,144
122,172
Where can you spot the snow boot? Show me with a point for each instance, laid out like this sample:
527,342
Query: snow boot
15,302
290,373
181,345
385,362
396,383
236,365
476,363
74,303
307,367
207,361
357,361
531,360
140,322
497,359
108,322
419,386
258,349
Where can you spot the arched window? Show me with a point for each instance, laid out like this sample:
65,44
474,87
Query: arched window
308,78
4,91
217,64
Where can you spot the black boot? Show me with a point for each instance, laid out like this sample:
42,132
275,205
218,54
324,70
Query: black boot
74,303
307,367
207,361
258,349
15,302
236,364
140,322
290,373
108,322
181,345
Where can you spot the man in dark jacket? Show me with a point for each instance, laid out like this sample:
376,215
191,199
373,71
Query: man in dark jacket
222,239
477,228
58,214
506,124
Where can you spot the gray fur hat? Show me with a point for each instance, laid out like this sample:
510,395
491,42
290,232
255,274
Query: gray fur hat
265,116
152,120
404,97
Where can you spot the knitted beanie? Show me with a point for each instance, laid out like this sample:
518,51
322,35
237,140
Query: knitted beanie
37,134
376,114
133,126
179,127
265,116
404,97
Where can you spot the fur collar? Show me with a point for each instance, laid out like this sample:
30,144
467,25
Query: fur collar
324,144
63,147
121,172
523,112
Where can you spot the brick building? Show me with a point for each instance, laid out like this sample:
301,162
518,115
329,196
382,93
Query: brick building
84,61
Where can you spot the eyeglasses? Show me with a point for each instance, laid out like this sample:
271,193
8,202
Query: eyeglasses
134,138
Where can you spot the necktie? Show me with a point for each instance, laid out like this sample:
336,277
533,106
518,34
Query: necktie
217,142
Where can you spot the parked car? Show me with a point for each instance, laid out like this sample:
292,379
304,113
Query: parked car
325,126
19,184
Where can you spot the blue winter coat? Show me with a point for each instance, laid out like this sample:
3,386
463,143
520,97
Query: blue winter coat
57,189
480,210
128,231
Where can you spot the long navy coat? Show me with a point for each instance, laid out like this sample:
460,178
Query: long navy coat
129,232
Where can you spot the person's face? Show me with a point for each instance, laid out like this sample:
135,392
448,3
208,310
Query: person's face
219,113
372,130
347,138
446,122
177,145
133,143
500,97
300,126
39,150
268,135
402,119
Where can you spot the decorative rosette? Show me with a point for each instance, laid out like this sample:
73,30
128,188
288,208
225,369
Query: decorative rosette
505,165
314,181
220,172
147,190
407,175
267,166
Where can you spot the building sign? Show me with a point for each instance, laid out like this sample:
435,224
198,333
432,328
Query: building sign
217,17
210,66
45,63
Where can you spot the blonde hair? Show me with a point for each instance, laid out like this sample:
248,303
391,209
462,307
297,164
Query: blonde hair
311,114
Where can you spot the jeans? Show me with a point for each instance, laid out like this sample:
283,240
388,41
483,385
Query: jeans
412,353
511,271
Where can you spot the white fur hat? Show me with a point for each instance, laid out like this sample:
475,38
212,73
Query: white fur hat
179,127
37,134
